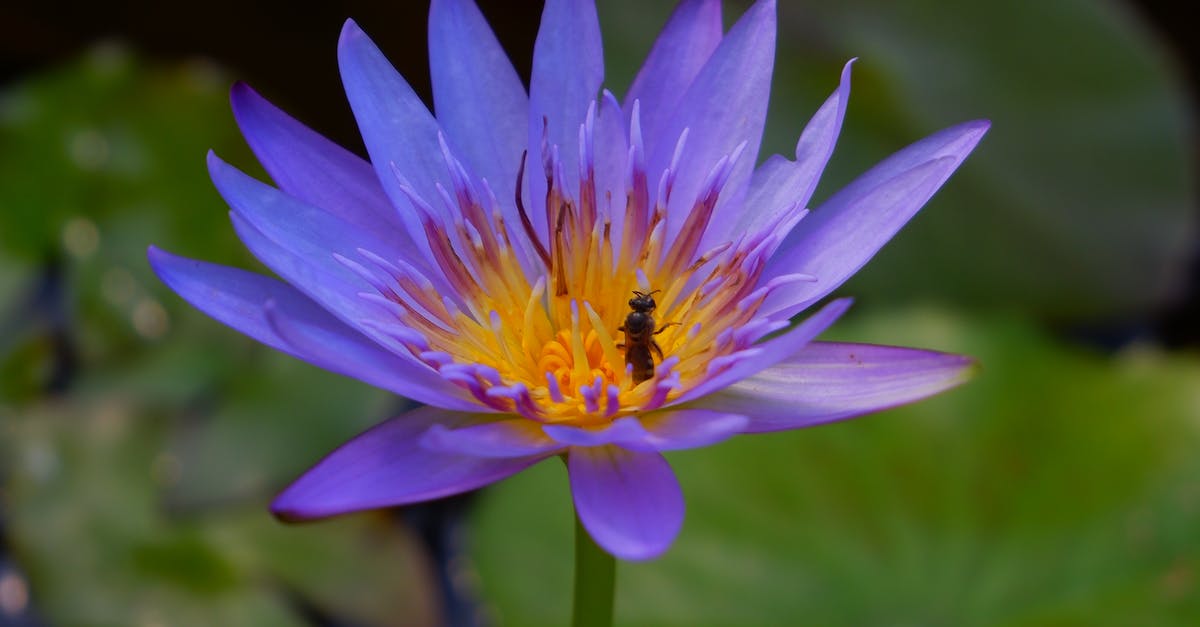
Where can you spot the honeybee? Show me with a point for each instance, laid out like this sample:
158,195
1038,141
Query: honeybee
639,344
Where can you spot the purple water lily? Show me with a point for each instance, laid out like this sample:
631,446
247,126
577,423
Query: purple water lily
484,260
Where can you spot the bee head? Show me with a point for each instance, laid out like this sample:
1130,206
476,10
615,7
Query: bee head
642,302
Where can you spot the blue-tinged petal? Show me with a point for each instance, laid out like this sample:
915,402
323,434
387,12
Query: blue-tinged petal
477,95
676,429
629,501
725,106
315,170
840,236
326,348
780,185
235,297
400,133
830,381
568,68
622,431
766,354
518,437
667,430
277,315
683,47
387,466
334,293
307,232
611,146
344,301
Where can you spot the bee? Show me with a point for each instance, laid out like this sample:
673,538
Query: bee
639,344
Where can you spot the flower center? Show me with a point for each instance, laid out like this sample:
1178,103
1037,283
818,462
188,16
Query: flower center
537,319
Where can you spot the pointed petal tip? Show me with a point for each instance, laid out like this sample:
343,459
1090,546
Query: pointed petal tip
286,509
160,261
241,94
761,14
221,174
350,28
970,368
974,130
215,163
352,34
285,514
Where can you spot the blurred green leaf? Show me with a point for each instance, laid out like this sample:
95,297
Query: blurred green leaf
86,493
1057,488
108,139
1078,205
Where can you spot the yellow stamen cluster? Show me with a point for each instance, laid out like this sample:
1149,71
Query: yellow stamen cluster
547,344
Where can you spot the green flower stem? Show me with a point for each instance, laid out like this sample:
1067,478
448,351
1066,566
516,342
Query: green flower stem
595,575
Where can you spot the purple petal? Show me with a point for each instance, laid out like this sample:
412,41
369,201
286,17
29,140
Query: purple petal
325,348
840,236
725,106
387,466
781,185
668,430
516,437
398,130
766,354
611,146
622,431
683,47
235,297
337,294
628,501
676,429
477,95
315,170
304,230
568,68
829,381
294,324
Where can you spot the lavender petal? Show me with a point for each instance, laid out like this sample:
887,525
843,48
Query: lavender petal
725,106
517,437
568,68
313,169
766,354
630,502
840,236
781,185
387,466
477,95
831,381
685,44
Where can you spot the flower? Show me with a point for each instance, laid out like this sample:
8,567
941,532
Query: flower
492,263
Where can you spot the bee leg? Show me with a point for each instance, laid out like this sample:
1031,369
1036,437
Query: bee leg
666,326
621,345
657,349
